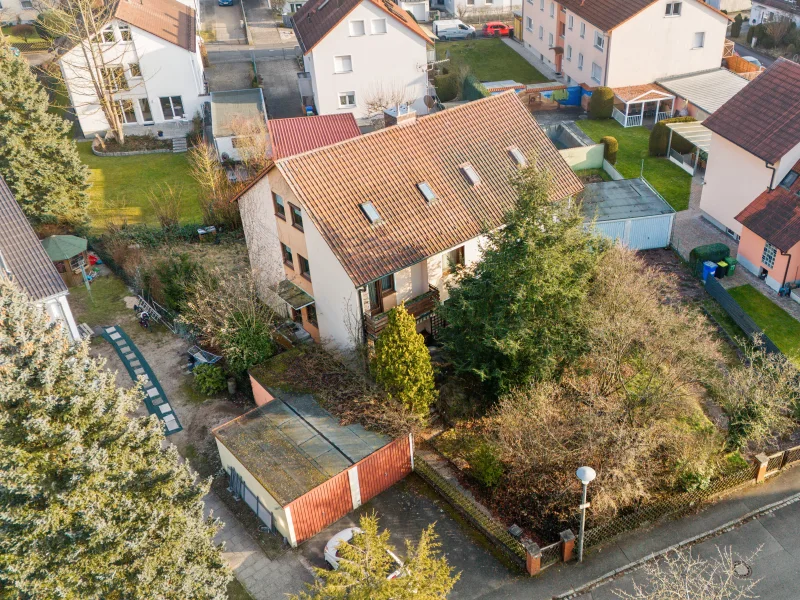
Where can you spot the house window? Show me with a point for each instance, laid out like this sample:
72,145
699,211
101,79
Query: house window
583,29
599,40
699,40
135,70
342,64
552,10
550,39
562,30
172,107
541,5
673,9
127,112
570,22
470,2
569,53
295,6
147,114
387,285
788,181
541,32
580,61
517,156
470,174
768,257
529,25
286,252
297,216
280,207
378,26
454,258
305,268
597,72
125,32
26,4
347,99
297,316
108,34
114,78
357,28
311,315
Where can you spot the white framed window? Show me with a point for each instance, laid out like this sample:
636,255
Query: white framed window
378,26
541,32
26,4
125,32
580,61
529,24
599,40
347,99
569,52
597,73
295,6
171,107
550,40
126,111
114,78
699,40
673,9
583,29
570,22
342,64
135,70
769,254
552,10
357,28
108,34
144,107
541,5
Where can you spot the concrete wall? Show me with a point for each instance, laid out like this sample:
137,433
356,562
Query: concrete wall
583,157
751,249
395,60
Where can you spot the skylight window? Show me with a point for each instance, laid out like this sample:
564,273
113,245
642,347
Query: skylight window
371,212
323,5
518,157
426,191
470,173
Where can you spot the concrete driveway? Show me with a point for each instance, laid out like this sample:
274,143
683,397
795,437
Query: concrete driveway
231,76
225,22
279,76
265,30
405,510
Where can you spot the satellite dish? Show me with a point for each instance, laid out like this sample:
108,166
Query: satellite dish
429,101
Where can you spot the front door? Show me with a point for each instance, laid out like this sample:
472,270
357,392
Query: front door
375,298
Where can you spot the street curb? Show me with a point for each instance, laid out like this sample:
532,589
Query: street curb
654,555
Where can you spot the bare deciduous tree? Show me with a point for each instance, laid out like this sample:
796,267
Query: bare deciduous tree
217,189
166,202
778,29
252,143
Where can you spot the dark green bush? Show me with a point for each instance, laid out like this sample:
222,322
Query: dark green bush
485,466
610,149
763,38
473,89
736,28
712,252
601,104
209,379
246,343
659,137
447,87
174,276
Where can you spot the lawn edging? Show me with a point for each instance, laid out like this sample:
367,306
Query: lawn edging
97,152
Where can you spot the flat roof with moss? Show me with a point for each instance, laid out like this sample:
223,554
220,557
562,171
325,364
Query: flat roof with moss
292,445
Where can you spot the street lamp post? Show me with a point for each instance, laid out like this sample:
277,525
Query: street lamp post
586,475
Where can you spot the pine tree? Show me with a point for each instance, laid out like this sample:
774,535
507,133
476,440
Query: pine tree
93,505
365,564
402,362
37,159
516,315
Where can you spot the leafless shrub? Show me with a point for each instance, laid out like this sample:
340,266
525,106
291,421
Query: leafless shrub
166,202
777,30
252,143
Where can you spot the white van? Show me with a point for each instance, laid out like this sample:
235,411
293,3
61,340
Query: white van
452,29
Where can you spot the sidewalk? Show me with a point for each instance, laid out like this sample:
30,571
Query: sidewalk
598,561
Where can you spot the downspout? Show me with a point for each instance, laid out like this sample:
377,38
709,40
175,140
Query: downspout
772,178
788,262
608,59
361,313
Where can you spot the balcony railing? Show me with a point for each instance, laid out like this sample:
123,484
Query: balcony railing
629,121
420,307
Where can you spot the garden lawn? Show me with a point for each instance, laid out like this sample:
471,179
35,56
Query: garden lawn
780,326
120,186
490,60
15,39
672,182
104,304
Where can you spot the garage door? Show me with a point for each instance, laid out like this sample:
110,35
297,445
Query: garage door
649,233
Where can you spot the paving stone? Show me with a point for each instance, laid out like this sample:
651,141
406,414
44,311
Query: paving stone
152,392
139,371
124,349
157,401
130,356
115,336
110,329
165,408
135,363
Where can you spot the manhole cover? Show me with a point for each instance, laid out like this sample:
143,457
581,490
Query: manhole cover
741,569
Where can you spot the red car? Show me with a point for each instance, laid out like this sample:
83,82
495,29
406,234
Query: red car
497,28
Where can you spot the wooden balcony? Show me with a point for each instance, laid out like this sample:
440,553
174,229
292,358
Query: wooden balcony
420,307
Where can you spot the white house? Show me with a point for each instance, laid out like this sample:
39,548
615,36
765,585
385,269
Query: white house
622,44
360,54
12,11
150,53
230,113
24,260
346,232
764,11
477,7
755,142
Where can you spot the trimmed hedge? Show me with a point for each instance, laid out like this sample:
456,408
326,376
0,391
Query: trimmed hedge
659,137
610,149
736,28
447,87
712,252
601,104
473,89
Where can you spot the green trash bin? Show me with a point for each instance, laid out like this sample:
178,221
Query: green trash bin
732,262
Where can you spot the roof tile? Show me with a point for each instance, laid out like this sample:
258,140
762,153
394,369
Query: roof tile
301,134
168,19
775,215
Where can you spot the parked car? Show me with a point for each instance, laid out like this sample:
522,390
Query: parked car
753,60
225,2
344,537
453,29
497,28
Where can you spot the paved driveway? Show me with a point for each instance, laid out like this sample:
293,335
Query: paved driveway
280,85
405,510
265,31
224,21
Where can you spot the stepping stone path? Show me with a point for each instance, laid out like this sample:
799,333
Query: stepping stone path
154,398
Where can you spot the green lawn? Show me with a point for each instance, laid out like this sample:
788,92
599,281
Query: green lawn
490,60
104,304
13,39
120,185
780,326
667,178
236,591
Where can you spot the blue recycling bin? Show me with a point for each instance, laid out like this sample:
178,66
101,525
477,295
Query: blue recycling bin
709,268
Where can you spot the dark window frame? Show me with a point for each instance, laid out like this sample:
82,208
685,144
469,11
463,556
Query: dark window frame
286,251
280,209
305,271
387,290
313,320
292,208
451,265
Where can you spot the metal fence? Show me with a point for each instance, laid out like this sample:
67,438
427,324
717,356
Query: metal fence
551,555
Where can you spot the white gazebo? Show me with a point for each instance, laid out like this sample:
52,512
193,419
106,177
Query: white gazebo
695,133
636,99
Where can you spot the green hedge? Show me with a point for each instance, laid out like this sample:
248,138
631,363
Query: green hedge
601,104
712,252
610,149
447,87
736,28
473,89
659,137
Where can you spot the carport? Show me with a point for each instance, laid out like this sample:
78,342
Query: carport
629,211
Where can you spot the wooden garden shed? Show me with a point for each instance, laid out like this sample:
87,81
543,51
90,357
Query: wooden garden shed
67,252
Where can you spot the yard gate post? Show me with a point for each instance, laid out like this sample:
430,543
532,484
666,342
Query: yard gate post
762,460
567,545
533,558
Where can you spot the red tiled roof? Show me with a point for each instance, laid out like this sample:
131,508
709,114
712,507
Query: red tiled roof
608,14
316,18
168,19
642,92
301,134
764,117
775,215
384,167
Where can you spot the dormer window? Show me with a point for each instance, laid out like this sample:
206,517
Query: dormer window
426,191
371,212
470,174
518,157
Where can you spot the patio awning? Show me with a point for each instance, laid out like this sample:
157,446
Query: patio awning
693,132
293,295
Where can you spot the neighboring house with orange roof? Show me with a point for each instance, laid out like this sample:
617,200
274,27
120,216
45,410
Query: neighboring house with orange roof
621,43
755,142
341,234
149,51
288,137
361,56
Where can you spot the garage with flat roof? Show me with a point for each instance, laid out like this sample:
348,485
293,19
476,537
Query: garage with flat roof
629,211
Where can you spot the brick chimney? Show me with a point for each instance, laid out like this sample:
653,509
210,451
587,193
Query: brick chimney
400,115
